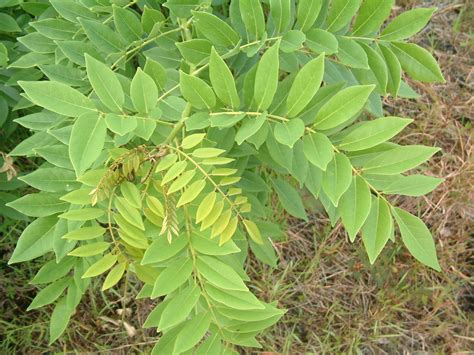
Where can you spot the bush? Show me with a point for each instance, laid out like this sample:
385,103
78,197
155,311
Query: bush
173,134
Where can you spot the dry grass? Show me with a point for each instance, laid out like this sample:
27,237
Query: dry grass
336,301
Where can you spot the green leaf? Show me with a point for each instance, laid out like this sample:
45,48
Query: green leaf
399,160
192,332
341,13
51,179
219,274
289,132
131,194
215,29
52,271
196,91
87,140
172,277
36,240
59,319
143,92
192,140
292,41
342,106
120,124
71,10
203,153
407,24
351,53
8,24
337,178
290,199
280,12
305,86
253,231
204,245
377,66
84,214
105,84
252,15
354,206
372,14
417,238
101,266
195,51
41,204
90,249
318,149
222,81
412,185
179,308
205,206
321,41
57,97
394,70
250,127
377,228
129,212
102,36
157,72
266,78
85,233
243,300
114,276
127,24
372,133
307,13
191,192
161,250
418,62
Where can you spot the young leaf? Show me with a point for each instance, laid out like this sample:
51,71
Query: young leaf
131,194
222,81
127,211
114,276
143,92
90,249
342,106
354,206
377,229
337,178
266,78
196,91
191,192
290,199
87,140
417,238
57,97
304,87
105,84
85,233
372,133
205,206
101,266
407,24
253,231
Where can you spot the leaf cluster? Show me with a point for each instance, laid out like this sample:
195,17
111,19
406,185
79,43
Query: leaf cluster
172,131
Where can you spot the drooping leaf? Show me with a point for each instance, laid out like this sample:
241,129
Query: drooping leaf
377,228
290,199
266,78
223,81
337,178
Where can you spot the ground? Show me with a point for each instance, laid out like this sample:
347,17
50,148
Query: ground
336,301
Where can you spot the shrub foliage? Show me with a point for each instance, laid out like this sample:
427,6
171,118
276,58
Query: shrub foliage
173,132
